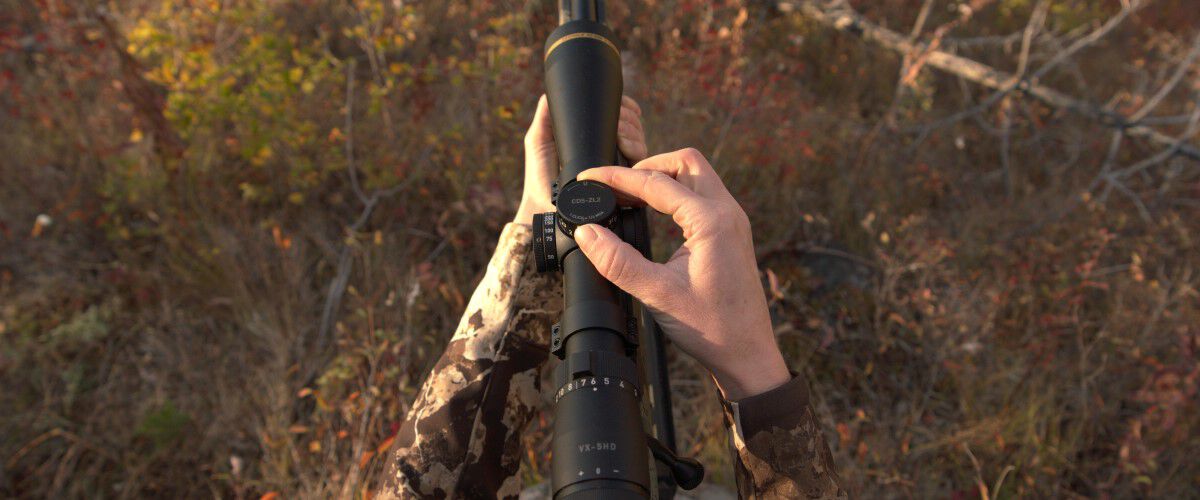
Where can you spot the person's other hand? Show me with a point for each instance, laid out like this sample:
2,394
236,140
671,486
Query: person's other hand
708,297
541,156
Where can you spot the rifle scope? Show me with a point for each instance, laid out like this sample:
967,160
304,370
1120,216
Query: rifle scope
600,444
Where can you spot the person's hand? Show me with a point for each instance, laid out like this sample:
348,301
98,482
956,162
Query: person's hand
541,156
707,297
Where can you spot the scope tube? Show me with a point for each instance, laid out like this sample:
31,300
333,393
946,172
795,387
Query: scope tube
599,445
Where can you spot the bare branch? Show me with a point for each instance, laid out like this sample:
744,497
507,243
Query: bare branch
1036,21
1165,154
839,16
1171,83
1091,38
1017,80
351,169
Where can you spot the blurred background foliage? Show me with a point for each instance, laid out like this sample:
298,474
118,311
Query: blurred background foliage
234,235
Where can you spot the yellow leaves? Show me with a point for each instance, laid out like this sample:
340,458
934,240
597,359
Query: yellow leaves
135,136
260,158
295,75
359,31
165,73
250,192
296,198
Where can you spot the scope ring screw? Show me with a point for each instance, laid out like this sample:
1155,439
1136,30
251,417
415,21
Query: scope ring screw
556,344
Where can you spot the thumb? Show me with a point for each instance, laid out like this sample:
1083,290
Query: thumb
620,263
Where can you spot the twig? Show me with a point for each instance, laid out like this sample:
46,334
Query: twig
808,248
901,83
1005,140
737,106
982,41
1137,201
1036,21
983,489
1114,147
914,61
354,476
841,17
1091,38
1114,180
349,135
345,263
1018,80
922,16
1176,145
1170,84
147,98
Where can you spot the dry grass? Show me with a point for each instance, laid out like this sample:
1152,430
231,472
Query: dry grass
971,329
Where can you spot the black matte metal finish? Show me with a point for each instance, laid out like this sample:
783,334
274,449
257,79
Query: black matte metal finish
585,202
583,84
600,449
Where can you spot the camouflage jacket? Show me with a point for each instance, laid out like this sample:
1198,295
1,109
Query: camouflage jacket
461,438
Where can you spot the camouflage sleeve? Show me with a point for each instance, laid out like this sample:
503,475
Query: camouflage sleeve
779,450
461,439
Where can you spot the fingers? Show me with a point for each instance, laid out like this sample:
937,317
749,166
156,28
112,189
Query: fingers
683,185
690,168
628,102
623,265
541,131
655,188
632,145
631,137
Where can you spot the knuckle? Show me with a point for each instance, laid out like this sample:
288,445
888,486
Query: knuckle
728,218
611,264
738,216
691,156
618,269
653,179
691,161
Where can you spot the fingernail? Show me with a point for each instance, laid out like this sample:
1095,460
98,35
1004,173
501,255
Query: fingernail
585,234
